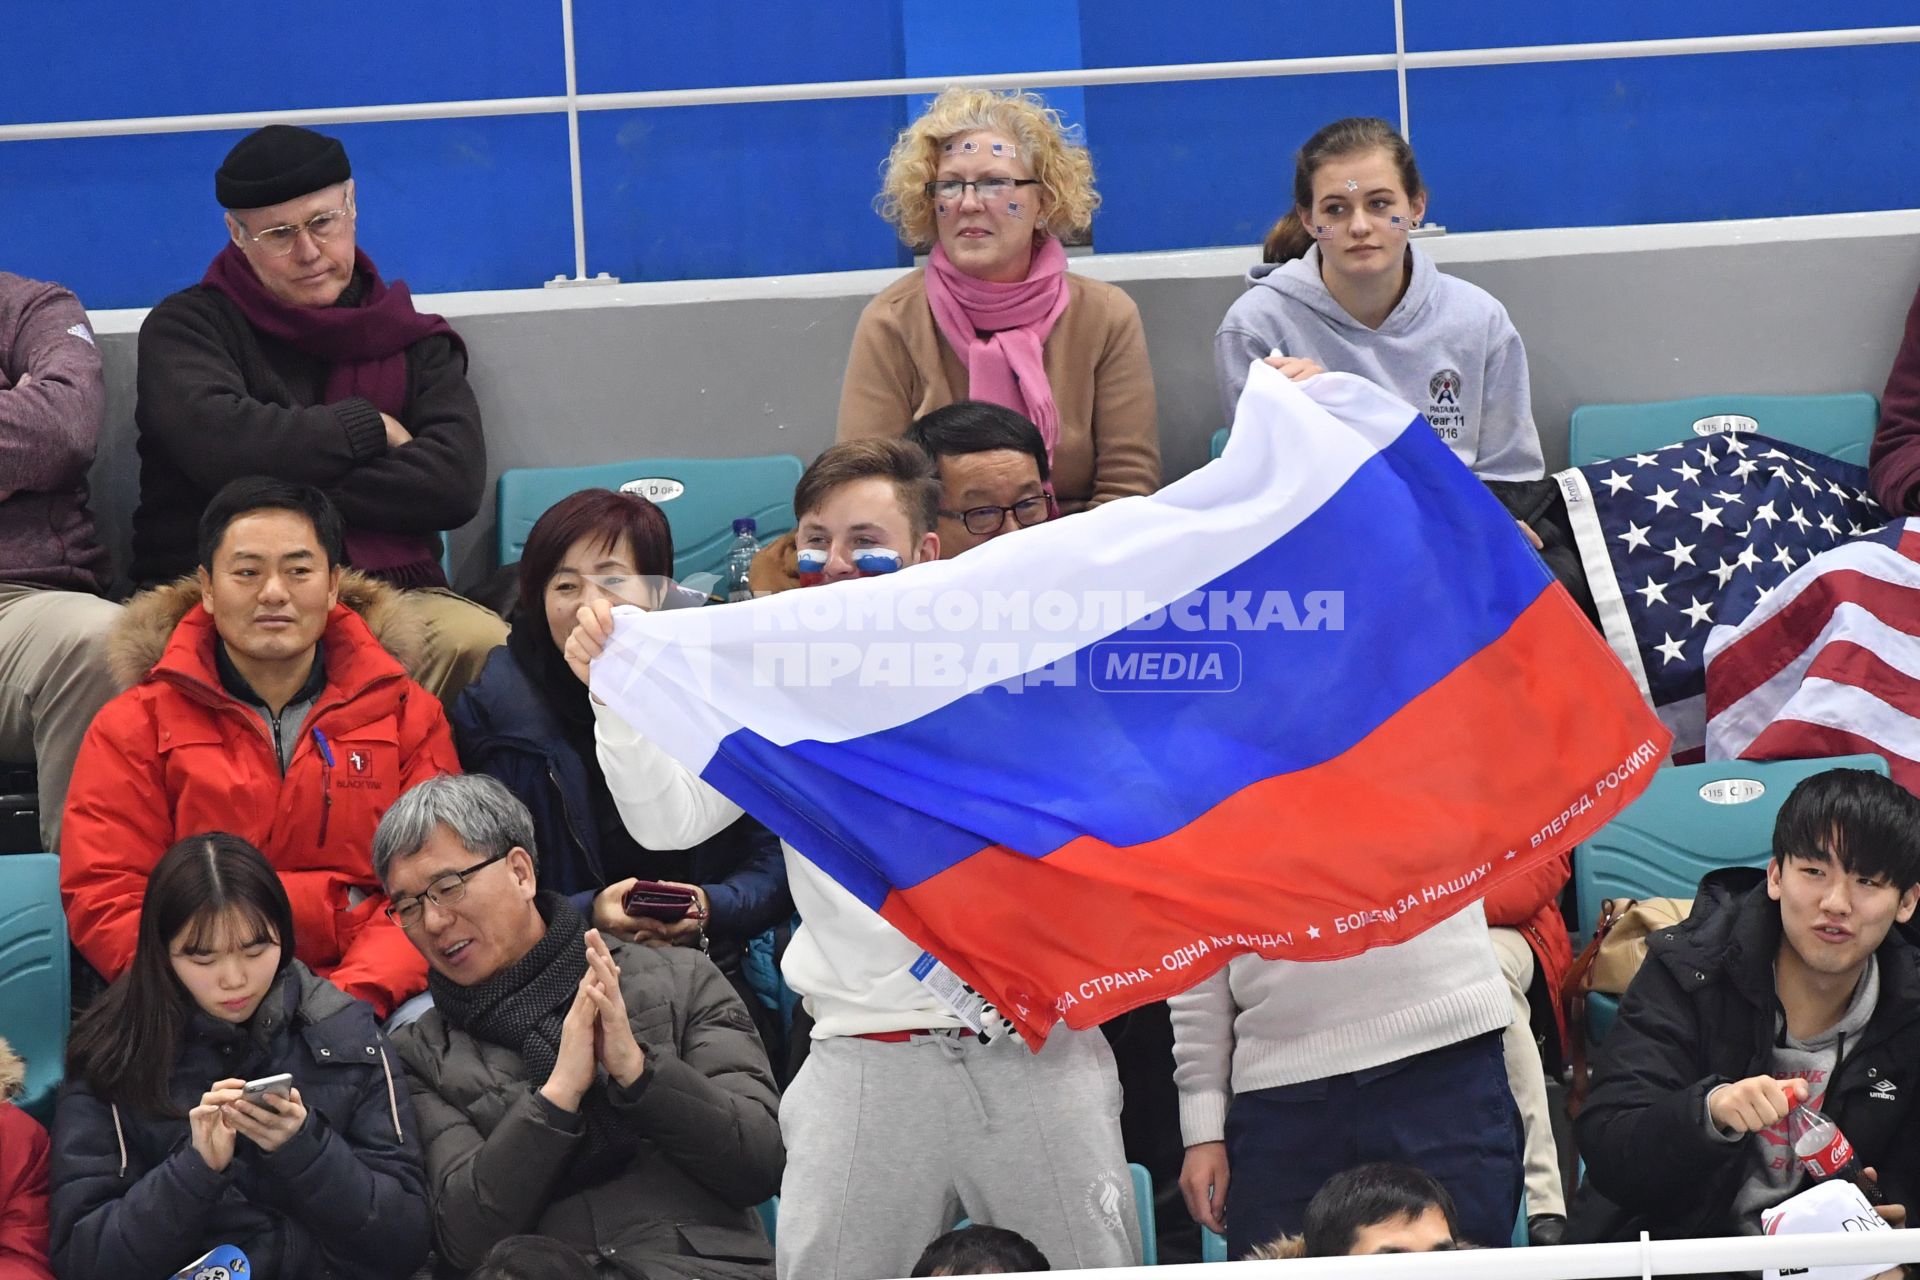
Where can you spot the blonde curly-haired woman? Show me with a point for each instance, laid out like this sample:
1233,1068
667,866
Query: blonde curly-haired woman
990,182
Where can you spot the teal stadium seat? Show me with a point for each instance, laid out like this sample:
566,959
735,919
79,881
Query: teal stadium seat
1219,443
34,990
1840,426
701,497
1690,820
769,1211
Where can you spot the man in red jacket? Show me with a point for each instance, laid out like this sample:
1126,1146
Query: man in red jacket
265,706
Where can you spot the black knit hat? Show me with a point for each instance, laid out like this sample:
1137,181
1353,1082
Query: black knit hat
279,162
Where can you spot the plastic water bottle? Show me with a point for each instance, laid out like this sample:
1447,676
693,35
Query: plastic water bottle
740,559
1825,1153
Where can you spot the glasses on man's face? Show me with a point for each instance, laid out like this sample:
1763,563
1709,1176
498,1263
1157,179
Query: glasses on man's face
985,188
278,242
985,520
444,892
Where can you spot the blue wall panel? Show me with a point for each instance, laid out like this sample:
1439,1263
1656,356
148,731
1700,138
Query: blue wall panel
626,45
1210,162
944,39
1670,139
1478,24
1121,33
695,192
99,59
689,193
454,204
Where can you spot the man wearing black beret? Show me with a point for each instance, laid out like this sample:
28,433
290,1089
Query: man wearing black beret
293,358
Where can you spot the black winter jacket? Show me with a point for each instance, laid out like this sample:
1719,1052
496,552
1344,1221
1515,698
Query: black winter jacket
498,1153
345,1199
218,399
1702,1011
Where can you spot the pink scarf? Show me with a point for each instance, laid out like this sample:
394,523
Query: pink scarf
1005,367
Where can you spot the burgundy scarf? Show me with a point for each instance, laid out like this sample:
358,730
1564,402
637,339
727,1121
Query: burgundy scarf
366,344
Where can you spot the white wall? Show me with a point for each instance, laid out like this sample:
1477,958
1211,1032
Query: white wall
737,367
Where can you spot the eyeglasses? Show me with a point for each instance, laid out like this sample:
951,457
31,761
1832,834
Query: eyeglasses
278,242
985,188
985,520
444,892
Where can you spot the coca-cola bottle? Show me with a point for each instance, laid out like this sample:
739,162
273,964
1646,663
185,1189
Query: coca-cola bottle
1825,1153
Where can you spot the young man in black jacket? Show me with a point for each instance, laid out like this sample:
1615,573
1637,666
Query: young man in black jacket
1788,986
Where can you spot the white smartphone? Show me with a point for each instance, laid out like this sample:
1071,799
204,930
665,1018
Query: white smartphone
258,1091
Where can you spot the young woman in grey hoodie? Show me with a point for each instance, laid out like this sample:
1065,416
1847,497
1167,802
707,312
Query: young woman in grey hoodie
1343,289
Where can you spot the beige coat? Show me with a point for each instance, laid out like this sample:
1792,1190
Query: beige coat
1096,358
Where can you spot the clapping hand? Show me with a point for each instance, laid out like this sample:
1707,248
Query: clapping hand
614,1044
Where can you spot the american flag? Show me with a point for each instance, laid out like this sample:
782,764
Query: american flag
1697,534
1827,665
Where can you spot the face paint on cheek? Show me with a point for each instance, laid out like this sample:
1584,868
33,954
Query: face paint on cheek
964,148
812,564
941,209
1013,208
875,561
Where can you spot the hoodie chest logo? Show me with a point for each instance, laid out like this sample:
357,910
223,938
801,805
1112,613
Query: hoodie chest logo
1443,404
1884,1091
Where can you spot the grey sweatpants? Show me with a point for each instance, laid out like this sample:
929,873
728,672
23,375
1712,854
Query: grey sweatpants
53,677
888,1145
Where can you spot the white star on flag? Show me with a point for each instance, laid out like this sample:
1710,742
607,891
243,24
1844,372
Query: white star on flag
1744,468
1699,612
1615,482
1663,499
1673,650
1654,590
1783,557
1687,471
1732,497
1735,444
1827,525
1766,512
1635,536
1644,459
1707,515
1313,931
1681,553
1724,571
1747,559
1798,519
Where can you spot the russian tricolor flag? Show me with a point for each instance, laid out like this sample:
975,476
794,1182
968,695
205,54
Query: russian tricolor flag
1311,699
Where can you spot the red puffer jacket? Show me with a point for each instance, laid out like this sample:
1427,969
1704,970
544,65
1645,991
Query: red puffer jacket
177,755
1531,904
24,1153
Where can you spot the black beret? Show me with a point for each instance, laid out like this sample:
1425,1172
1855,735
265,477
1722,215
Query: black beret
279,162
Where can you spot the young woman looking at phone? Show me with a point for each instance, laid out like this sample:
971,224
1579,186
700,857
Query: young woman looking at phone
157,1154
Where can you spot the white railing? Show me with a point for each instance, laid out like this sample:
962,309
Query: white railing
572,102
1564,1262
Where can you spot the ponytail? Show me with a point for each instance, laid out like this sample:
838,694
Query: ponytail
1289,239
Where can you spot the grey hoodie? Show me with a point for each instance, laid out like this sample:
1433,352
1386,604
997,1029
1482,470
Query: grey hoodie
1448,349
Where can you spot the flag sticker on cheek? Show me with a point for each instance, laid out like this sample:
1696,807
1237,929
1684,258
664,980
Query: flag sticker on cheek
1013,208
941,208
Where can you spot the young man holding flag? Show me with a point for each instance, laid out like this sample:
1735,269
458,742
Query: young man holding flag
914,1107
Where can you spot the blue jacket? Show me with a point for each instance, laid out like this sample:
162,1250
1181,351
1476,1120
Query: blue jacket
505,727
344,1199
